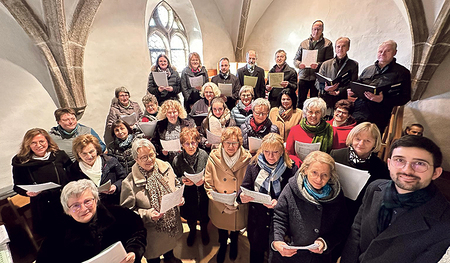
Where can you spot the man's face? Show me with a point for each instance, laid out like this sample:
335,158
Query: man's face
386,54
251,58
414,130
417,171
68,122
280,58
317,30
342,48
224,66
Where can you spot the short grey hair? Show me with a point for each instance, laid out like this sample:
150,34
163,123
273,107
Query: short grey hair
246,88
314,103
392,43
261,102
75,189
140,143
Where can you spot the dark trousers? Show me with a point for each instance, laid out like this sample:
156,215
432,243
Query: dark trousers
303,87
223,236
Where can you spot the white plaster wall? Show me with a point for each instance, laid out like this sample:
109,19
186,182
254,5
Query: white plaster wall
367,24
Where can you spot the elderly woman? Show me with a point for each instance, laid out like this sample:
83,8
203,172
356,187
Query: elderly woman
151,108
208,93
192,161
342,122
142,192
310,210
169,92
120,147
268,173
258,125
312,128
172,118
91,228
224,174
99,168
243,108
286,115
194,69
40,161
122,108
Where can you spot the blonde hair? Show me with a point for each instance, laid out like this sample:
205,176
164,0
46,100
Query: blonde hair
247,88
366,127
273,141
171,104
82,141
230,132
194,54
214,88
25,154
321,157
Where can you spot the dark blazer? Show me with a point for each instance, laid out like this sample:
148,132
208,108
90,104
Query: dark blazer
260,87
290,75
421,234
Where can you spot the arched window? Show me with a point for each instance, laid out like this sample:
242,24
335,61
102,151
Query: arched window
166,35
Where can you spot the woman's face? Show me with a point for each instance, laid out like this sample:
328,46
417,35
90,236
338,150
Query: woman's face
318,174
163,63
68,122
172,115
286,101
146,158
195,62
83,207
363,144
190,146
121,132
341,115
208,93
151,107
39,145
260,114
124,98
272,156
313,116
231,145
246,98
217,109
88,154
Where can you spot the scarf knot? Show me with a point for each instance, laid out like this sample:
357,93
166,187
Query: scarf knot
323,133
274,175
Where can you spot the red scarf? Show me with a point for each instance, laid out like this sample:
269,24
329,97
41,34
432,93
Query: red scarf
255,126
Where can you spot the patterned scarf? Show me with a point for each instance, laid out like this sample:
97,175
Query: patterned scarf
272,174
323,133
157,187
125,144
317,194
257,127
354,158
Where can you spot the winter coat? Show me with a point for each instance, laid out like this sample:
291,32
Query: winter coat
247,130
123,155
238,114
118,111
284,126
173,81
290,75
258,72
233,80
191,94
325,52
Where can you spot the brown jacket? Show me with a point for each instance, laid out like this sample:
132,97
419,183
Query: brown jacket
285,126
220,178
136,197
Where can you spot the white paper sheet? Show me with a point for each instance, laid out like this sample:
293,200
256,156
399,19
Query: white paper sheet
352,180
148,128
212,138
39,187
312,246
160,78
5,254
309,57
226,89
4,237
196,81
195,177
171,146
104,187
275,79
171,200
303,149
250,81
112,254
130,119
228,199
254,143
257,196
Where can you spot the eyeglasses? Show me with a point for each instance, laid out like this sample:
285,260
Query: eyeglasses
315,174
260,113
77,206
228,144
190,144
417,166
147,157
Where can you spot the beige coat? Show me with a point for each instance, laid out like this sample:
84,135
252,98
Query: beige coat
136,197
285,126
220,178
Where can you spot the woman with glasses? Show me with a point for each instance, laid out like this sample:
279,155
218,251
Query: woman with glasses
258,124
170,92
224,173
193,70
120,147
208,92
143,189
91,227
41,161
310,210
192,160
312,129
342,122
268,173
99,168
286,115
151,108
243,108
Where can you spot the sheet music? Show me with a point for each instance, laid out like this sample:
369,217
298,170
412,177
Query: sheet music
112,254
257,196
352,180
104,187
130,119
228,199
171,145
148,128
309,57
312,246
171,200
39,187
226,89
196,81
195,177
213,138
160,78
250,81
254,143
303,149
275,79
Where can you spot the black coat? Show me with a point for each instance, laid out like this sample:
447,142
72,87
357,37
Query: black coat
191,94
258,72
247,130
122,154
76,242
174,81
290,75
45,207
259,216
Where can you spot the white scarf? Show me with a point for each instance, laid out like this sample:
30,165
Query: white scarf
231,160
43,158
262,176
95,172
214,126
